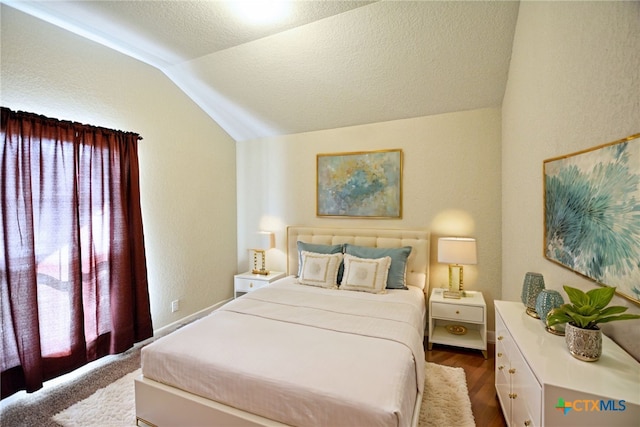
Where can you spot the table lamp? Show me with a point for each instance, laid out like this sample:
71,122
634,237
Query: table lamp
264,240
456,251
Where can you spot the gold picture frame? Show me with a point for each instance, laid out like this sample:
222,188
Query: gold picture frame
592,214
362,184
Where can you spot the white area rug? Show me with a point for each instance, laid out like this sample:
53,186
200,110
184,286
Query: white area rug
445,403
112,406
446,398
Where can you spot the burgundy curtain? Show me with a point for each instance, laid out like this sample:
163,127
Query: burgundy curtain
73,268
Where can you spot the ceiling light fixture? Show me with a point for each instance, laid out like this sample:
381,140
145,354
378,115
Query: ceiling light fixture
262,11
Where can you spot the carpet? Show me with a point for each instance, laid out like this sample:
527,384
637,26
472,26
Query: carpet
113,405
38,408
445,403
446,398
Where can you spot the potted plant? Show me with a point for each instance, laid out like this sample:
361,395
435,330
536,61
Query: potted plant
582,316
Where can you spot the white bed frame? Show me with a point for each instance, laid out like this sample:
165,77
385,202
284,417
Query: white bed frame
160,405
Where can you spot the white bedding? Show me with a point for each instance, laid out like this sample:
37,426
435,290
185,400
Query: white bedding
347,358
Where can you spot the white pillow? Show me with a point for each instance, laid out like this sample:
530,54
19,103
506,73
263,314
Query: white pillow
319,269
365,274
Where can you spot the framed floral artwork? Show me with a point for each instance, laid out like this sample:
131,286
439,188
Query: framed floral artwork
359,184
592,214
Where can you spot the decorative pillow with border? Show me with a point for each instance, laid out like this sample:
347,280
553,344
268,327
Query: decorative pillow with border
365,274
319,249
320,269
397,277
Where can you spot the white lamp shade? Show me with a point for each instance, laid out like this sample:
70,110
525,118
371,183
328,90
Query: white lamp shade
264,240
457,250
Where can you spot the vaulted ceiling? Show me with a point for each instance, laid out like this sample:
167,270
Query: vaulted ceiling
327,64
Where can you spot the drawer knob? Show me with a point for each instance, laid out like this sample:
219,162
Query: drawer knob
500,368
512,371
499,354
251,284
500,338
457,311
527,423
513,395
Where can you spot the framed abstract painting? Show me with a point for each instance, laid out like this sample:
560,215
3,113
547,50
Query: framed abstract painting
592,214
359,184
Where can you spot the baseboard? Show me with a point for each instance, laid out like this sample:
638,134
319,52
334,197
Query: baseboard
185,320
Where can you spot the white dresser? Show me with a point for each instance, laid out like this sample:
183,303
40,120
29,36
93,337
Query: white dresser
539,383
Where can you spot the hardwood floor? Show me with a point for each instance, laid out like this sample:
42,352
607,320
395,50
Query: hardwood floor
480,380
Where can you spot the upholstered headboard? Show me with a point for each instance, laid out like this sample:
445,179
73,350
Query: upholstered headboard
417,263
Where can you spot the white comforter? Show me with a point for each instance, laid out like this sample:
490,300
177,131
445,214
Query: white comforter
303,356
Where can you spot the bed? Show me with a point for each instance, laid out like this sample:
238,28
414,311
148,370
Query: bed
302,354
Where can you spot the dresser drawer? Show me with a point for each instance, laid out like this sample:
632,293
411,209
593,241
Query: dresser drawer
463,313
502,363
526,393
248,285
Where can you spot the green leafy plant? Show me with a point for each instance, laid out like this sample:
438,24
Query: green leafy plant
588,309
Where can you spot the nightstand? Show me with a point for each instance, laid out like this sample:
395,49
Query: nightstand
458,322
247,282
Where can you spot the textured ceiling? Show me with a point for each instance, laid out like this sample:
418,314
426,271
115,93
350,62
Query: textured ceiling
329,64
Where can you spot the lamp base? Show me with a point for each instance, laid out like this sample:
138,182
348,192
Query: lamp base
259,268
452,294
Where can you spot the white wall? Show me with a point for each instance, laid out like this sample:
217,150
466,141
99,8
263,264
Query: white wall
187,163
574,83
451,186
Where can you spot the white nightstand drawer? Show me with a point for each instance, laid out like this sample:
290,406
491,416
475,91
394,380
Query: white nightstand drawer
249,282
463,313
248,285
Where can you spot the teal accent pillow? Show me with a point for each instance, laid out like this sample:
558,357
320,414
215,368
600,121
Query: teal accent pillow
399,256
320,249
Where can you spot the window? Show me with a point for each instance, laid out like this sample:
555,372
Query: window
73,269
